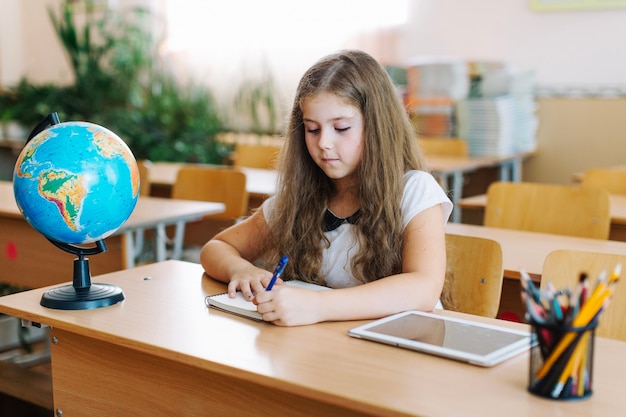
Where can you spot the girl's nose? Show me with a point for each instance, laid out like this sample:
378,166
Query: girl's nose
326,141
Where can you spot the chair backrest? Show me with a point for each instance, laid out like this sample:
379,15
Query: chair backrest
256,156
562,268
144,178
612,180
474,275
549,208
224,185
453,147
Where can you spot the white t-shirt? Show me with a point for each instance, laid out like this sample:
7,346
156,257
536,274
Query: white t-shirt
421,191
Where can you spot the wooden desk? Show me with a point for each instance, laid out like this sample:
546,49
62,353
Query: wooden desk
528,251
451,172
578,176
27,259
260,183
617,210
162,352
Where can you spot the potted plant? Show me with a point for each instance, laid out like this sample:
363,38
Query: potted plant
120,84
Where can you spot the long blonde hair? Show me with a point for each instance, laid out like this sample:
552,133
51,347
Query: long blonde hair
390,150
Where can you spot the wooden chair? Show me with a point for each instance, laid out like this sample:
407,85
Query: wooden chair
562,268
222,185
612,180
474,276
447,147
144,178
256,156
549,208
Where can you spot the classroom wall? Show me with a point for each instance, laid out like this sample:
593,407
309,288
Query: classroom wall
563,48
576,134
578,63
576,54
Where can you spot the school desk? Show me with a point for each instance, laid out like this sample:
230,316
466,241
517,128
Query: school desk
162,352
528,251
617,209
451,172
260,183
27,259
578,176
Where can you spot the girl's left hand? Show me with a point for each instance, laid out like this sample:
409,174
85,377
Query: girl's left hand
289,306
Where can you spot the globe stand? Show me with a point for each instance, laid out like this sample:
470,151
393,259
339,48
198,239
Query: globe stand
82,294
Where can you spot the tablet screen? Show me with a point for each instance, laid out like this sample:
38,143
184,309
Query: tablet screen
464,336
453,337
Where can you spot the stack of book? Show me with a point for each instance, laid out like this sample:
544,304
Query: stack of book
499,117
497,126
433,85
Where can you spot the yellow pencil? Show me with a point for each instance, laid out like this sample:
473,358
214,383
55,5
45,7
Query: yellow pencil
568,369
587,313
582,369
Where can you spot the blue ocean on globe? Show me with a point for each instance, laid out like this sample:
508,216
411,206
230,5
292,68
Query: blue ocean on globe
76,182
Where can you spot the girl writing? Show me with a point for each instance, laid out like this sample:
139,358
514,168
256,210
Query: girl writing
354,210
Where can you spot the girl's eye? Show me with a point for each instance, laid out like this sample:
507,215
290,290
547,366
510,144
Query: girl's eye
312,130
342,129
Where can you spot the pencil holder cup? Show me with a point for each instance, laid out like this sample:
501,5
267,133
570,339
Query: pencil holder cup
561,361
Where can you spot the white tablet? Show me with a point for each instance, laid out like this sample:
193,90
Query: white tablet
451,337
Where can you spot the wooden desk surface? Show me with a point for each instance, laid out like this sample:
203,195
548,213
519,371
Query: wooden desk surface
450,164
578,176
259,182
288,371
528,250
263,181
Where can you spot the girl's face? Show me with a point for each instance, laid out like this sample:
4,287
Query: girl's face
333,131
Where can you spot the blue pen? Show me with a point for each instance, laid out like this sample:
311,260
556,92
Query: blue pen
279,270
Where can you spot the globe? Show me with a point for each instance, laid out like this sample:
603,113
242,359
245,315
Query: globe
76,182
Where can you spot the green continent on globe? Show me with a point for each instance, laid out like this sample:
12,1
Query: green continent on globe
66,191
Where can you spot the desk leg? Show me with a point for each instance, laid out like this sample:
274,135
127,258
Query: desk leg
129,249
511,170
178,240
161,243
457,194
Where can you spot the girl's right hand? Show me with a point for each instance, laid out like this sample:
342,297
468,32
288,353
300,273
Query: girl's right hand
250,281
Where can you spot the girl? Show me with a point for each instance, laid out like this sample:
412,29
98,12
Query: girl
354,209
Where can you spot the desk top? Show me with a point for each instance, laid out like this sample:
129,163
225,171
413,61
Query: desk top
261,182
165,316
450,164
528,250
148,212
264,181
617,206
578,176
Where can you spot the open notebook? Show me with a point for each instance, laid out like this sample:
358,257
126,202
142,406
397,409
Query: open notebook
245,308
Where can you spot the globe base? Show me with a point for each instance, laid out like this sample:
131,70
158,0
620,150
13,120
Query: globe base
70,298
